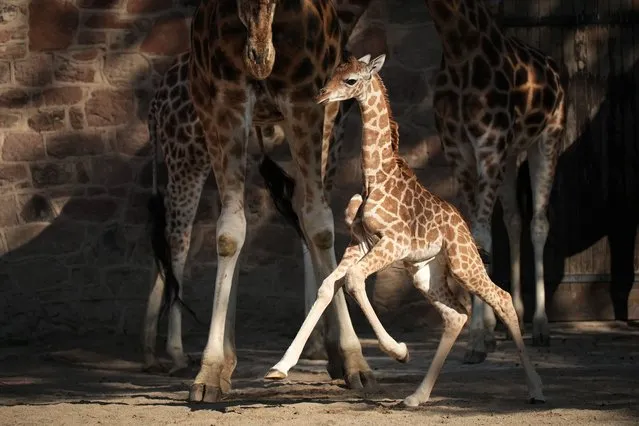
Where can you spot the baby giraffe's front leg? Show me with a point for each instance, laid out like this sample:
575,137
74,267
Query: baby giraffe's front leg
325,294
385,252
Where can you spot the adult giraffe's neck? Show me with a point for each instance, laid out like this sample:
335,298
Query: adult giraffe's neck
460,24
380,136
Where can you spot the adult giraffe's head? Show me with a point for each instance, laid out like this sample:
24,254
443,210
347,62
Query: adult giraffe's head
259,53
351,79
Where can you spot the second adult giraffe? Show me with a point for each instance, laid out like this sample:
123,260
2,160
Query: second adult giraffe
494,98
244,55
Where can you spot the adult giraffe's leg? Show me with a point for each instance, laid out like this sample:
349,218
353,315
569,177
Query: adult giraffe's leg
185,184
542,160
471,275
512,220
431,281
464,164
186,176
314,348
332,142
304,128
227,144
489,179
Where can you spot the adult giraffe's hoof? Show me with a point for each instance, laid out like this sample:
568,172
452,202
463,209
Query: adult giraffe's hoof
474,357
350,366
541,340
275,374
153,368
201,392
363,379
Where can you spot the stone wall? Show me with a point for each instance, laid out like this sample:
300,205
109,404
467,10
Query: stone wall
75,80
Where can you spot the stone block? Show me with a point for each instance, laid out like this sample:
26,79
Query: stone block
109,107
27,146
132,141
76,117
13,50
8,120
52,174
14,98
60,238
111,171
50,120
127,282
52,24
93,209
62,96
123,68
9,213
67,70
5,72
12,174
136,209
147,6
108,20
34,70
92,37
74,144
98,4
168,37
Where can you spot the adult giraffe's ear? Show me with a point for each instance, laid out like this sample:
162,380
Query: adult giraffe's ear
376,64
365,59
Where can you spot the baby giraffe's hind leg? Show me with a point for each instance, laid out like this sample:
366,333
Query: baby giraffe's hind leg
431,281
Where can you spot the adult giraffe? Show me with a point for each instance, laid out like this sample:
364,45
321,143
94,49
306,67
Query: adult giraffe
494,98
175,129
248,56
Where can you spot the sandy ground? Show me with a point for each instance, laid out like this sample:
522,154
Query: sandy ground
590,373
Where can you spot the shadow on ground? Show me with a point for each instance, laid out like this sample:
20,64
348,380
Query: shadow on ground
591,366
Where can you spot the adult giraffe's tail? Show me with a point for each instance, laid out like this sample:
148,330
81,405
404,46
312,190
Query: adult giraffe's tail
280,187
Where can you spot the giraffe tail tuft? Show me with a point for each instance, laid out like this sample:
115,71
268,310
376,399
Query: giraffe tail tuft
280,186
162,255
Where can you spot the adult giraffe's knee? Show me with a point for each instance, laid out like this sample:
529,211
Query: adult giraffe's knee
227,245
539,228
324,239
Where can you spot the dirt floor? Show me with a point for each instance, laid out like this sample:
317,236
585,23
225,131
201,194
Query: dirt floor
590,373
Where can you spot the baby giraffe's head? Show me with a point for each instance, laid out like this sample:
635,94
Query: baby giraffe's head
351,79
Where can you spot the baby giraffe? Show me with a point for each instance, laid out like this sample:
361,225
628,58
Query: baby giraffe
396,218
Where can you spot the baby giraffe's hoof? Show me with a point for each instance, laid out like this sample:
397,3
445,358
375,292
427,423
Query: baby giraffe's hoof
406,355
274,374
410,401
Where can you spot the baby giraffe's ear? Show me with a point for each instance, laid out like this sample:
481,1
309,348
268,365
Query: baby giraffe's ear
365,59
376,64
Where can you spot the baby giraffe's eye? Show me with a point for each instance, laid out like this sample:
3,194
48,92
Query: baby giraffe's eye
350,81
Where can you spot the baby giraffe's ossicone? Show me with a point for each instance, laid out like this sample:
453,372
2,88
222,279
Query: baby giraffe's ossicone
396,218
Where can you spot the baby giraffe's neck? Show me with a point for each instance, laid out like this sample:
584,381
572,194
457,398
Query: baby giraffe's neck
379,135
